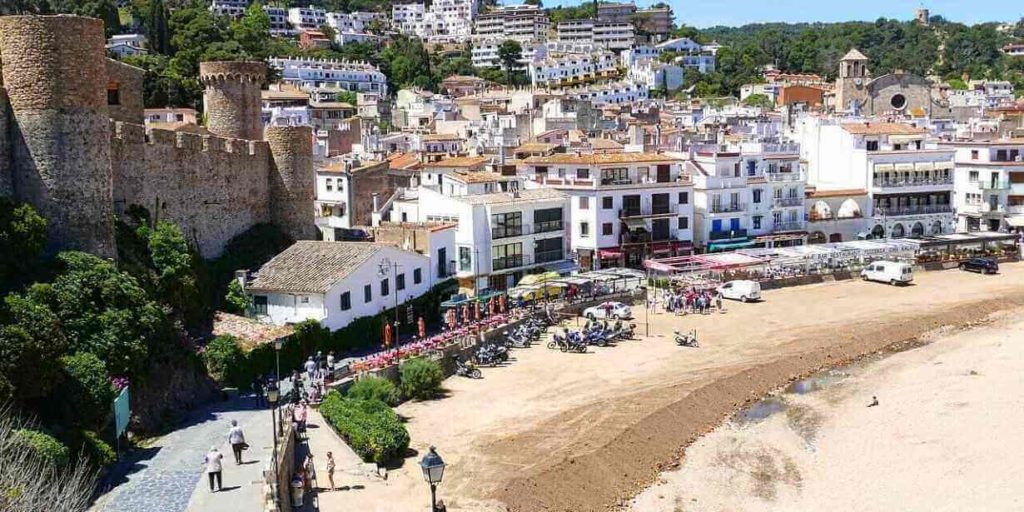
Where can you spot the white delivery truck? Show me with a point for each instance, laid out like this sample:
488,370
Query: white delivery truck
892,272
743,291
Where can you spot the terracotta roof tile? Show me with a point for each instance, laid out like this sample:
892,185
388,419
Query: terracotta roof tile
609,158
313,266
883,129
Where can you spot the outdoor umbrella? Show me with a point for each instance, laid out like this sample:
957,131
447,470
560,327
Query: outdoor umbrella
422,328
501,303
476,314
465,313
387,334
490,306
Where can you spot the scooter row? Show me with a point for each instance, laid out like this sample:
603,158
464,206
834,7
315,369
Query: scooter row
593,333
495,353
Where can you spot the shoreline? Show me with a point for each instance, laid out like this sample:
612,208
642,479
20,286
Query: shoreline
706,408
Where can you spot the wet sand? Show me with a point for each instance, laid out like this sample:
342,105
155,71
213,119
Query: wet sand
946,435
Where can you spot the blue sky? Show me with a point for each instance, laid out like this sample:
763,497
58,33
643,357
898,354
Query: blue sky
705,13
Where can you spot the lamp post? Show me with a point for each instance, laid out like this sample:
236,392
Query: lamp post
384,269
272,397
433,471
278,345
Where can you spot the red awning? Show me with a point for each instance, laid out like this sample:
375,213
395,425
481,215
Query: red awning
614,252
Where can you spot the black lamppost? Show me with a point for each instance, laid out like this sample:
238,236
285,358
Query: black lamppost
272,397
278,345
433,471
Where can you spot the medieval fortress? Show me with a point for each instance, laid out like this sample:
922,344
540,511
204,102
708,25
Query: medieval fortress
72,144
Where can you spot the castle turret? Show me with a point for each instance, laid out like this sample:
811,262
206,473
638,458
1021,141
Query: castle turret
232,98
55,74
292,180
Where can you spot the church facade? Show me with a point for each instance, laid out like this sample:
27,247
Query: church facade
897,93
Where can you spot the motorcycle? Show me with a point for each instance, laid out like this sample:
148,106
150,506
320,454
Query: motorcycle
517,339
492,354
464,369
686,339
575,341
559,342
596,337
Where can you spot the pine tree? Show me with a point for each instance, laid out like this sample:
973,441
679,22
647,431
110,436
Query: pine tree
157,28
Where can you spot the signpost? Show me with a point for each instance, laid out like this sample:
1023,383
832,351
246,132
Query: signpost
122,413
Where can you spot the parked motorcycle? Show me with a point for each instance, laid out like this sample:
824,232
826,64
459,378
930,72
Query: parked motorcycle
464,369
688,339
491,354
517,339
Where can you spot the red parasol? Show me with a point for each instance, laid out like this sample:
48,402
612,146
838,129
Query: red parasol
476,306
490,306
465,313
387,334
501,302
422,328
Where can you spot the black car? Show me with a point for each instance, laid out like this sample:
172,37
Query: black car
981,265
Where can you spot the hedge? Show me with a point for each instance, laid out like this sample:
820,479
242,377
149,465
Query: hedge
375,388
421,378
370,427
86,391
97,450
43,445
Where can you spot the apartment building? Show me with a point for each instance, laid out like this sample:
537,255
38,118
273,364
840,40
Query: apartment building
611,93
624,207
690,55
524,23
231,8
988,185
312,74
572,69
443,21
750,195
354,27
616,13
909,183
279,24
657,75
307,17
654,23
606,35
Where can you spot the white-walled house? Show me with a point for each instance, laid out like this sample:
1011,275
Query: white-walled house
337,282
989,185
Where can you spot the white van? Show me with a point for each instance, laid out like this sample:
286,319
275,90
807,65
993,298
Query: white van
744,291
892,272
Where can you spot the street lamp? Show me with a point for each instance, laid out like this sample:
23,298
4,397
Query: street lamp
278,345
433,471
272,396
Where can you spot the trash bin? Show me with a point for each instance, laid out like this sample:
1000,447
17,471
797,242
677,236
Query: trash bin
298,491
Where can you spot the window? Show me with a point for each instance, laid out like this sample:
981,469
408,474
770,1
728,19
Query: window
417,276
548,219
465,259
974,154
684,198
660,204
872,145
757,195
507,256
504,225
583,174
584,203
548,250
584,229
972,176
346,301
756,219
113,93
259,304
400,281
385,287
616,176
606,228
367,293
330,184
683,223
607,202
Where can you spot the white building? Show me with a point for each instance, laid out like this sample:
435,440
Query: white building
612,36
657,75
232,8
988,185
124,45
485,51
279,24
624,207
690,54
572,69
750,195
609,93
444,21
311,74
307,17
909,184
337,282
523,23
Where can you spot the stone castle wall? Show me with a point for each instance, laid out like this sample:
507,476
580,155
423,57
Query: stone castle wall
232,98
214,188
292,180
127,80
58,99
6,187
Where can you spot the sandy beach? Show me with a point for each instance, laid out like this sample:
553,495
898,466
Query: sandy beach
945,435
589,432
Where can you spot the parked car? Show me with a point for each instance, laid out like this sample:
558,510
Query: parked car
612,310
743,291
981,265
892,272
353,235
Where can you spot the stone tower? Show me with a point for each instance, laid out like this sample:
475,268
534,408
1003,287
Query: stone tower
232,98
923,16
6,186
55,75
292,180
852,81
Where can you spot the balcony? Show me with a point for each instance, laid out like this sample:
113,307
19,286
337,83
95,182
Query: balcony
797,225
788,202
509,231
549,256
727,208
647,211
783,177
727,234
820,216
982,208
912,210
996,185
911,182
548,226
507,262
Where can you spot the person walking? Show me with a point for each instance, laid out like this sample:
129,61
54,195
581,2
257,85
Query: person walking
330,361
213,468
310,367
330,469
237,440
257,390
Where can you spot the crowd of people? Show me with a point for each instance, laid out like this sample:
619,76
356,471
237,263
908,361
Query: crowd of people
681,301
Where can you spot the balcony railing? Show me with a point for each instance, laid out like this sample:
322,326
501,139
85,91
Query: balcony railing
998,185
548,226
913,210
549,256
646,211
782,177
727,207
797,225
506,262
727,234
509,231
912,182
788,201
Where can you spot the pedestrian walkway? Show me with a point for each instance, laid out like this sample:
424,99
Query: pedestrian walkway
168,475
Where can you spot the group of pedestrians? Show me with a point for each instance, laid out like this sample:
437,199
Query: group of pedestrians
682,301
214,459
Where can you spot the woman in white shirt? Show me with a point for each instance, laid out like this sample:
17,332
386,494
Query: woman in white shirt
213,468
237,440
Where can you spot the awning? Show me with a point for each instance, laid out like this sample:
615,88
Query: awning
1016,221
905,138
562,267
635,224
609,253
924,166
904,167
724,246
883,167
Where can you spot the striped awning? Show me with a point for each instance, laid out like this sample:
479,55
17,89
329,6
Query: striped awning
883,167
924,166
904,167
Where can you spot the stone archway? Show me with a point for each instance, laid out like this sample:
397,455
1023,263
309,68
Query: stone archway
817,237
878,232
898,231
937,227
917,230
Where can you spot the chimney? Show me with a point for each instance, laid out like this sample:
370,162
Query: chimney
242,276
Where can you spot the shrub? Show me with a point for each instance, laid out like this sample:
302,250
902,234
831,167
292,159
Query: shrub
86,390
43,446
370,427
236,301
421,378
225,361
96,449
375,388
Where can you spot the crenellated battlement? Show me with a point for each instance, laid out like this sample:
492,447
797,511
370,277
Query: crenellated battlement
130,133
